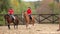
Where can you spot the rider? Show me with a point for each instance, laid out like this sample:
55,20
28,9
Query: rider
29,12
11,12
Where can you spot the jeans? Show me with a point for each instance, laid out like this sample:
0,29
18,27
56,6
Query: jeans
12,16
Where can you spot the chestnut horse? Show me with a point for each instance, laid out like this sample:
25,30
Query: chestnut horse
9,20
28,20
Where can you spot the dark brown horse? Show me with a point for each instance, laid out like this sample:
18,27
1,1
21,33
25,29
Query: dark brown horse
28,20
9,20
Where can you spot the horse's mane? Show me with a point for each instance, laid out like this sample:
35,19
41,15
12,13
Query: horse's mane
5,15
25,13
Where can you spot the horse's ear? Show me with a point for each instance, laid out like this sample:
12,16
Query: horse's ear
24,11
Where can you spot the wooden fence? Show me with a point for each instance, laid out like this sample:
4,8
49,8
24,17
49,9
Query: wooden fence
44,18
40,18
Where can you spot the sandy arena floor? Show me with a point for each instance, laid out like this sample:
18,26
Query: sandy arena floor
37,29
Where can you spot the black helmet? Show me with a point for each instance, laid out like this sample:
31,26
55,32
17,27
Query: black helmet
29,7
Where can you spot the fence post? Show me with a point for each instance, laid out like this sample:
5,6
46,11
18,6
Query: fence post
53,17
39,18
59,23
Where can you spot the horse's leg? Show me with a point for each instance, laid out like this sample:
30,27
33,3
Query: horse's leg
8,26
17,26
14,25
33,21
26,25
17,23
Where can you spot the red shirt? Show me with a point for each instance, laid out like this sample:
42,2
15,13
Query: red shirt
10,11
29,11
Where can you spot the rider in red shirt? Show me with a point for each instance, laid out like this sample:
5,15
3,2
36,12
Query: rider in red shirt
11,12
29,12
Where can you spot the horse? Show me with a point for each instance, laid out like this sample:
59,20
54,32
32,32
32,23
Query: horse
28,20
9,20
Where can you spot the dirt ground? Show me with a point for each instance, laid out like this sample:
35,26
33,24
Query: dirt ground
36,29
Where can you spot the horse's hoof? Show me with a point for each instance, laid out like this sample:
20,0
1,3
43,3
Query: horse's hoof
9,28
58,30
38,30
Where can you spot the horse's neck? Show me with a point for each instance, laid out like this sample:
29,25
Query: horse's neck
26,14
6,16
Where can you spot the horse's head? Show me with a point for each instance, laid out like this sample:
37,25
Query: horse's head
25,14
6,16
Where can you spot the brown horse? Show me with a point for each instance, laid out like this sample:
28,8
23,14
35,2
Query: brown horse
28,20
9,20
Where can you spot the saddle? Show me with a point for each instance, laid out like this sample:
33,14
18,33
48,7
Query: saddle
12,17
